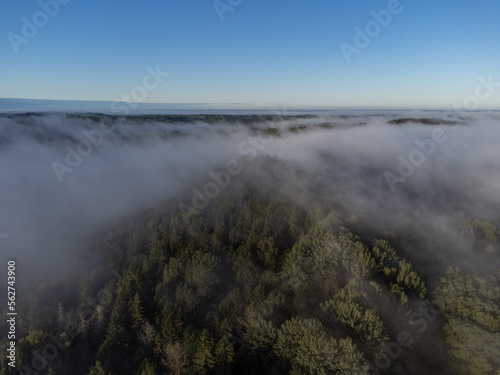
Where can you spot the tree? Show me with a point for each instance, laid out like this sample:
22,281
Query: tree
204,359
308,350
97,369
173,358
136,311
360,321
147,334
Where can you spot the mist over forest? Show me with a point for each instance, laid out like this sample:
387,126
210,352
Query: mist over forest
316,243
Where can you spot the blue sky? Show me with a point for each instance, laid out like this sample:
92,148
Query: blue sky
263,53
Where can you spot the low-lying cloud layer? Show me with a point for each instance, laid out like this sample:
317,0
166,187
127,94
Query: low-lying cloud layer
64,177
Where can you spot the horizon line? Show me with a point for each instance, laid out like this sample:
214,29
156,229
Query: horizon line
249,106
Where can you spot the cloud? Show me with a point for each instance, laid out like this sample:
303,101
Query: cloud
142,161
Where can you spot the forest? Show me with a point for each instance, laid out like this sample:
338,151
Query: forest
285,271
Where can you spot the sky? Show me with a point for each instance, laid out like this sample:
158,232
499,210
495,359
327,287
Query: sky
259,53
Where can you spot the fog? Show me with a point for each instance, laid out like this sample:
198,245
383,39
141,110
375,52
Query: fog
65,177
